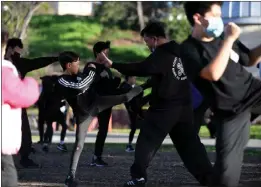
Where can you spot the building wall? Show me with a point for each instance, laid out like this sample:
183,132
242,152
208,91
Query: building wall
251,37
73,8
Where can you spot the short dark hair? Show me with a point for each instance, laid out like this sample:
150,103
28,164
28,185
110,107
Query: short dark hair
154,28
67,57
200,7
4,36
127,77
100,46
14,42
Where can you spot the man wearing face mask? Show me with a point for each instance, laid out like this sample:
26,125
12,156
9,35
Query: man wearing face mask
13,53
214,63
170,109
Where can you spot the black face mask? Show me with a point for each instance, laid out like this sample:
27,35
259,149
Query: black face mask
16,56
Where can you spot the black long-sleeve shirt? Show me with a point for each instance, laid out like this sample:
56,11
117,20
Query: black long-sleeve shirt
170,86
47,101
25,65
77,90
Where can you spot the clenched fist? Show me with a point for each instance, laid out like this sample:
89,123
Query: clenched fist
104,59
232,31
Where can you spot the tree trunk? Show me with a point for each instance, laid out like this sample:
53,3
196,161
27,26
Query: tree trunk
27,19
140,14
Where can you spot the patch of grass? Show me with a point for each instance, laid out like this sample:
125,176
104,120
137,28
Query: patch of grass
51,34
115,34
127,54
163,148
255,132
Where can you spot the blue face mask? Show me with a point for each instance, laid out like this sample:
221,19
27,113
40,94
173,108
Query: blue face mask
215,27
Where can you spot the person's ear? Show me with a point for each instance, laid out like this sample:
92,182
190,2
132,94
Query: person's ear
68,65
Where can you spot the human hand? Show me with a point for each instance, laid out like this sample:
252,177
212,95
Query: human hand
232,31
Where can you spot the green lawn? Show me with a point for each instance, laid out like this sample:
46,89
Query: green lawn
51,34
255,132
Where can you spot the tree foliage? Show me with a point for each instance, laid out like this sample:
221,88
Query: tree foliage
178,28
125,16
122,14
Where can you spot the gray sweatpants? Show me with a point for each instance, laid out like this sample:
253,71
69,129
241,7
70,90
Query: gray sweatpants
232,137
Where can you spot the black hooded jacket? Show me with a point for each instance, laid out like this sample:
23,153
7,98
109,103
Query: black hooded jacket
170,86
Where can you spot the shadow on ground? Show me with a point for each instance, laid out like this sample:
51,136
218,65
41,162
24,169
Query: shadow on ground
166,169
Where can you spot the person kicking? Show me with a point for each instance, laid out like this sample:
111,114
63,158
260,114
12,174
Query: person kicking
78,89
214,61
170,110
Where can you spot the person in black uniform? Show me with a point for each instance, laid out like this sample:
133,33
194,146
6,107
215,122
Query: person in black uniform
214,61
78,88
50,110
170,111
13,53
134,107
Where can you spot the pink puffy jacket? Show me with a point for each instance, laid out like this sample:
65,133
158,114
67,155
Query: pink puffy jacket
16,94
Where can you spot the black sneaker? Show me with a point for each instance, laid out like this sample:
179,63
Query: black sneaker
135,182
70,181
29,163
97,161
129,149
62,147
45,148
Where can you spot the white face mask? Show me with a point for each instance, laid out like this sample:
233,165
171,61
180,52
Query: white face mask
133,85
215,27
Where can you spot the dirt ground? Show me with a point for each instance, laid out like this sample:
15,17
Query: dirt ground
166,169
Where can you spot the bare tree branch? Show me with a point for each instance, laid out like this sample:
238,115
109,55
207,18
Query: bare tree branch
140,14
34,6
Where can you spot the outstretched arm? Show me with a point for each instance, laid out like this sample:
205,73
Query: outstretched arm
28,65
150,66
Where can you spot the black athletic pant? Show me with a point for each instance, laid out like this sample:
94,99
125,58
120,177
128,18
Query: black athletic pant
48,135
26,146
8,172
178,123
103,119
41,121
133,120
101,103
60,118
232,137
134,116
